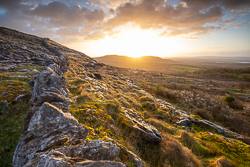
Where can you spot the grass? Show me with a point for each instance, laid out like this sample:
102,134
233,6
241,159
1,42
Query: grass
184,68
245,75
14,88
11,126
236,151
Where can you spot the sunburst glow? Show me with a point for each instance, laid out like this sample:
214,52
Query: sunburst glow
136,42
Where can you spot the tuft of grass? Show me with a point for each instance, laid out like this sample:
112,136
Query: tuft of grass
188,140
169,152
221,162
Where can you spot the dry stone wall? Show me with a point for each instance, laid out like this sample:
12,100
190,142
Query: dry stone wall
51,135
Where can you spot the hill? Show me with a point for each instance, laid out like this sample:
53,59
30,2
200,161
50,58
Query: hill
78,112
144,62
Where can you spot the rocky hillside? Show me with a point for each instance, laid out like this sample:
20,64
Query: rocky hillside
79,112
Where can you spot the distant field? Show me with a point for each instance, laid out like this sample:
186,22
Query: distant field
241,76
184,68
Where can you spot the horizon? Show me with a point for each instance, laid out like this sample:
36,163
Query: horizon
135,28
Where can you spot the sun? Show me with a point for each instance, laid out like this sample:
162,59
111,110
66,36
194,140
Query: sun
135,42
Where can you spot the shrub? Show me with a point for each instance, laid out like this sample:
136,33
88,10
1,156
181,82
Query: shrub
203,113
232,102
113,109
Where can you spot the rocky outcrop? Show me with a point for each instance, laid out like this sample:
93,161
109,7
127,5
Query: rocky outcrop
51,135
148,132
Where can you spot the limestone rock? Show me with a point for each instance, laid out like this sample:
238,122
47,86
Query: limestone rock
148,132
5,93
22,97
183,121
92,150
8,68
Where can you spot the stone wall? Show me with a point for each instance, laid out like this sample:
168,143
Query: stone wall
51,135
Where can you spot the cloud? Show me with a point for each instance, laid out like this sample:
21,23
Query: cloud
59,14
108,3
96,35
242,10
197,30
94,19
227,22
200,3
151,14
232,4
238,25
10,4
192,38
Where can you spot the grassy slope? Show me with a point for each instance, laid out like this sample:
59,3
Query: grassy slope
180,148
11,118
105,119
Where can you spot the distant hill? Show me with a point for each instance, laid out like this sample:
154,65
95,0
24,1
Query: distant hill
144,62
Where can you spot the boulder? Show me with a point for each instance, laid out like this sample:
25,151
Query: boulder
97,76
184,121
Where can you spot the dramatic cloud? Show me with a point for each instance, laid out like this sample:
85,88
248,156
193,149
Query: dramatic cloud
94,19
150,13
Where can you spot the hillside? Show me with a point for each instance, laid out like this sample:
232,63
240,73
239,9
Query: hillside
144,62
78,112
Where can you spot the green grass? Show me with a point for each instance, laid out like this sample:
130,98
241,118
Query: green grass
11,126
184,68
245,75
14,88
238,92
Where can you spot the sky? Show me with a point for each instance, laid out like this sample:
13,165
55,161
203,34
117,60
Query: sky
135,28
